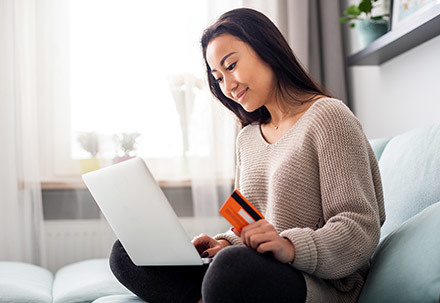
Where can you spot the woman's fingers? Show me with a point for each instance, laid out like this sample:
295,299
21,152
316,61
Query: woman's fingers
211,252
263,237
282,249
203,242
261,227
207,246
258,238
265,247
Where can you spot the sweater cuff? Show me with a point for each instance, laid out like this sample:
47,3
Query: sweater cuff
306,255
230,237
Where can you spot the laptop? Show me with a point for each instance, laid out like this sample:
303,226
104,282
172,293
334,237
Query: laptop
141,216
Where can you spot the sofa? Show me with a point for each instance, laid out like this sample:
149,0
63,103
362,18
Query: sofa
406,264
404,268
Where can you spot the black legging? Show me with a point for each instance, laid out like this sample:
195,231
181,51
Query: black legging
237,274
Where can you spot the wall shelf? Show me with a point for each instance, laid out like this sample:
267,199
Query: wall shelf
414,32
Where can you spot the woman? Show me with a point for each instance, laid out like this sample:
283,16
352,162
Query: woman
302,160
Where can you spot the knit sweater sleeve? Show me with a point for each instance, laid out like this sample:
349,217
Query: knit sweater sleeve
350,207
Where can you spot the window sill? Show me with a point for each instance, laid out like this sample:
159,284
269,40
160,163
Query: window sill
77,183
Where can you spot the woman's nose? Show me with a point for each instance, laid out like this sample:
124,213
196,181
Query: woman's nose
230,85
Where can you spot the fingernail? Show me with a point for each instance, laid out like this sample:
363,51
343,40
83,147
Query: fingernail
232,228
204,254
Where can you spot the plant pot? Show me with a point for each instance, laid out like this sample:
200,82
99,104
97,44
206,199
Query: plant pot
118,159
88,165
368,31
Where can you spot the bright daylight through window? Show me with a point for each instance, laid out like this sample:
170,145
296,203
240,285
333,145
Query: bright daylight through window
135,77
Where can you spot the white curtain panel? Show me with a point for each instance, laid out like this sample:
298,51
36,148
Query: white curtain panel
211,169
292,18
21,216
211,164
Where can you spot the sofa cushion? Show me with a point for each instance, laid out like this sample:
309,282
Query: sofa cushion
410,170
378,146
120,299
85,281
406,264
24,283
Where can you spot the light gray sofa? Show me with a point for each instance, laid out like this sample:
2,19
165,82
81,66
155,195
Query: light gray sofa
405,266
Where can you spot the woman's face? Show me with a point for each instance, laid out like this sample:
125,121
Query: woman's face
241,74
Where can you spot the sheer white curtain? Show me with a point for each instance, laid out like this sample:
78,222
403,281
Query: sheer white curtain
21,217
212,166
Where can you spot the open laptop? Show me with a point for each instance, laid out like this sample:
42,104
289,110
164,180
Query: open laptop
140,215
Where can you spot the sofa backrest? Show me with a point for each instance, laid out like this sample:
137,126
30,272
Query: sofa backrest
378,146
410,170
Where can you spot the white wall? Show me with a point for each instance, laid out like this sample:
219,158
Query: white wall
398,95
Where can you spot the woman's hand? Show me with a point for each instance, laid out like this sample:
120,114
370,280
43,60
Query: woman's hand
207,246
262,236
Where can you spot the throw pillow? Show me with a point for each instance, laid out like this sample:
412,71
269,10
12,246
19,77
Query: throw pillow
406,264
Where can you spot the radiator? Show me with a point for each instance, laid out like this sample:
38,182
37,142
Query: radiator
69,241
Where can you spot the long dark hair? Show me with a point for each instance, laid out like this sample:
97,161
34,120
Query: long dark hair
255,29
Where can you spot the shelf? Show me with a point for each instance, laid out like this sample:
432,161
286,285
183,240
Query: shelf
414,32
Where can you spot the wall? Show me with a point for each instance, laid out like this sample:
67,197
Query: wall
399,95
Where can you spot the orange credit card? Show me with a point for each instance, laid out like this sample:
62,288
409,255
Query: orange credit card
239,211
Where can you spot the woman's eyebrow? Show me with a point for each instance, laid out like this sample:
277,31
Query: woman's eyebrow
222,61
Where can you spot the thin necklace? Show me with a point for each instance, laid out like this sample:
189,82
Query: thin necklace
276,126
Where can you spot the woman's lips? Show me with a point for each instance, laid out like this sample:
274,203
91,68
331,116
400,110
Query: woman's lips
241,95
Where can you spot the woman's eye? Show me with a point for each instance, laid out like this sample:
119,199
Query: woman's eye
218,80
231,67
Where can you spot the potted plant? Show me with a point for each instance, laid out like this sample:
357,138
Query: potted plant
89,142
369,27
126,145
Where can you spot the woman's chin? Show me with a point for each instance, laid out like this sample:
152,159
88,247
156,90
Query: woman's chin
249,108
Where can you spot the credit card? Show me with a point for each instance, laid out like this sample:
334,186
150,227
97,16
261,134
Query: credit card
239,211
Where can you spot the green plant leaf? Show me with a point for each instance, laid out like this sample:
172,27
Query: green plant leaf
352,25
352,10
366,6
344,19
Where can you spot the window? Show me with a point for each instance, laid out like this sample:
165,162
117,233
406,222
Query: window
135,67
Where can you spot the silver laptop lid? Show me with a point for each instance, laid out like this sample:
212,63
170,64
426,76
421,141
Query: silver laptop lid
140,215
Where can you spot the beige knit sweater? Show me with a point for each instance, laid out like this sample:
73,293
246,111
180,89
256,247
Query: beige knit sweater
320,187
